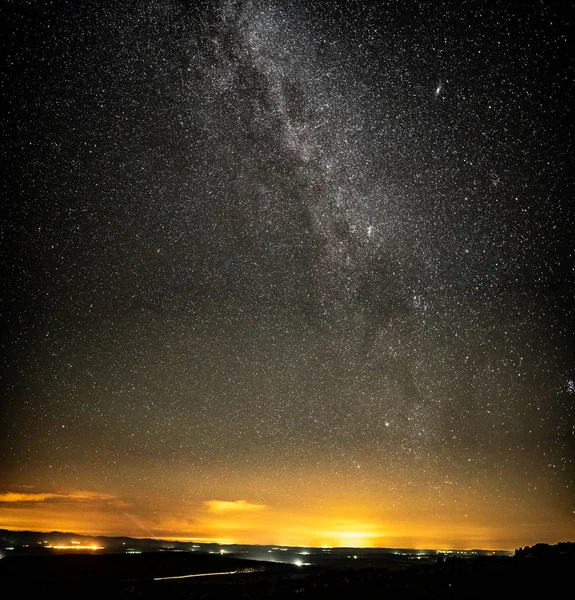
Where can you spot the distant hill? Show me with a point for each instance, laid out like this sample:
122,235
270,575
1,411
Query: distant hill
43,539
112,544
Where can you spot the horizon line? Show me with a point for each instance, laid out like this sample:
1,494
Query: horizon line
181,540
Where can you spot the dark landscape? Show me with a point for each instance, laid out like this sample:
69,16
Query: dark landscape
154,569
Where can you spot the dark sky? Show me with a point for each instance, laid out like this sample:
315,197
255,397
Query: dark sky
289,272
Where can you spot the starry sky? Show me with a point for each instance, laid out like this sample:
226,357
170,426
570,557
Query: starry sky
289,272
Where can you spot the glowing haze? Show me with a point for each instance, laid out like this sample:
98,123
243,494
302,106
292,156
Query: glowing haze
333,522
289,272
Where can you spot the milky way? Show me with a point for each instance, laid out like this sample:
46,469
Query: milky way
293,254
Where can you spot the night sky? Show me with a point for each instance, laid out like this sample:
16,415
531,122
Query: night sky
290,272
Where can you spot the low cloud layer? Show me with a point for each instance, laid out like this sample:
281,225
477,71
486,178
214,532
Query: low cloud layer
225,506
14,497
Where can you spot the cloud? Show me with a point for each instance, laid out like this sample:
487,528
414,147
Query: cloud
224,506
20,497
16,497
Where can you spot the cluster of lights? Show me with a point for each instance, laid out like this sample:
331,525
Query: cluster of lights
75,546
299,563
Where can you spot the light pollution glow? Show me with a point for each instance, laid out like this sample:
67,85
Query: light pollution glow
242,522
76,547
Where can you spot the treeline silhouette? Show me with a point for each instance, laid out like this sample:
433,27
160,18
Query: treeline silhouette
560,551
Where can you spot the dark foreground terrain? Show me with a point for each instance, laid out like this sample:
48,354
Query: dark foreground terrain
538,572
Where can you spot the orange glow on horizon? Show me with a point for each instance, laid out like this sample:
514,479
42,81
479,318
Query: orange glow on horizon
75,546
264,520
